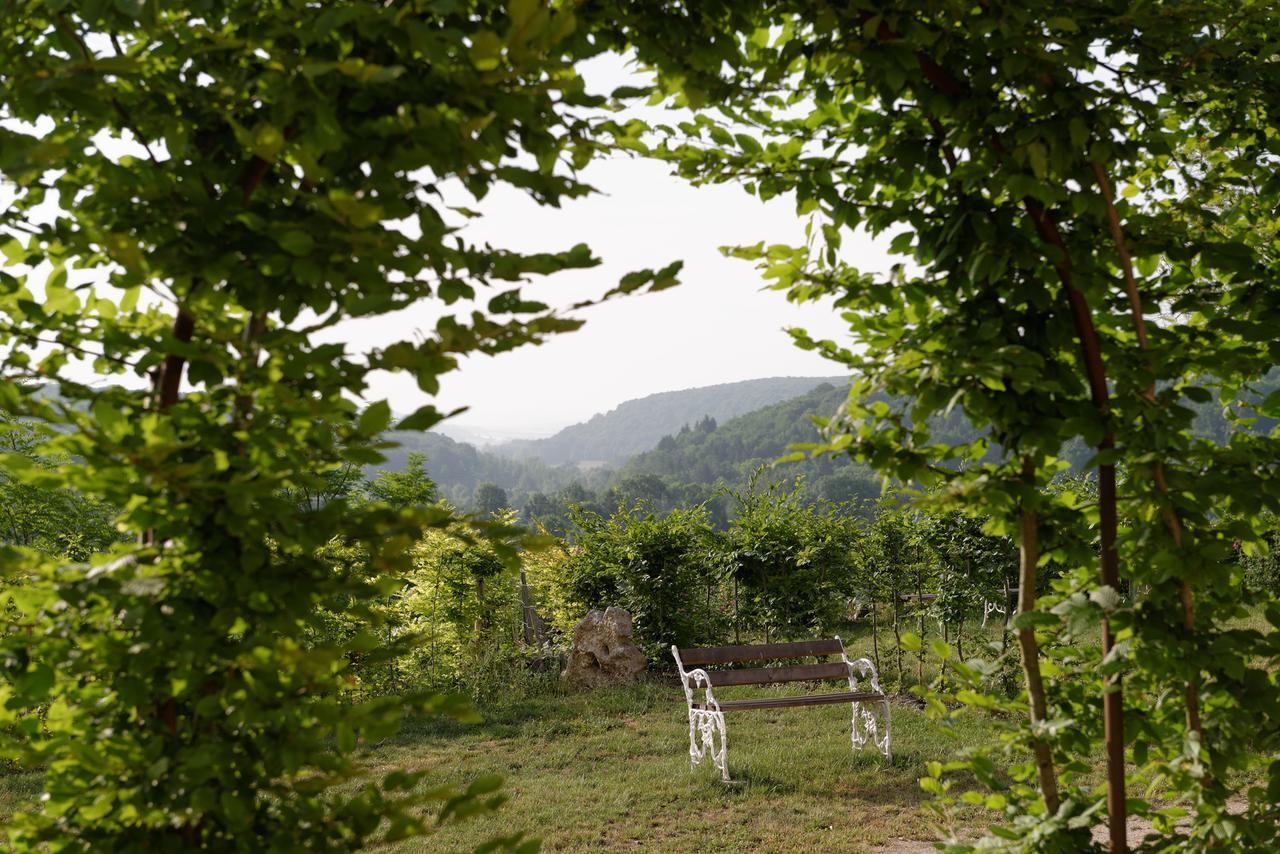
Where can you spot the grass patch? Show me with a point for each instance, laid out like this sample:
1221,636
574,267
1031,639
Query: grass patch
609,770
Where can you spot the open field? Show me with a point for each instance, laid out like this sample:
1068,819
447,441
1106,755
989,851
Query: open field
609,770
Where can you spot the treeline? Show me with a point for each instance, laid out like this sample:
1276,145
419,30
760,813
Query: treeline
693,464
613,437
904,578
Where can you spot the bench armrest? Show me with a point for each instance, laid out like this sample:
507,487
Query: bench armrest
699,679
862,668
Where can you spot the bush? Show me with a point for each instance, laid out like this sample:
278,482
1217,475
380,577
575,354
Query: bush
795,564
666,570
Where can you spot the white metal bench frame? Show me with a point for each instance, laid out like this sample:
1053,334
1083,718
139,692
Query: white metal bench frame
707,725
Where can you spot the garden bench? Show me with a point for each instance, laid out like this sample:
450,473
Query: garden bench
706,715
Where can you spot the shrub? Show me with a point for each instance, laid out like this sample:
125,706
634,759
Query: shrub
795,564
666,570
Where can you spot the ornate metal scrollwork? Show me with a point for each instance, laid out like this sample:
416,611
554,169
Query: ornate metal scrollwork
870,717
705,724
707,736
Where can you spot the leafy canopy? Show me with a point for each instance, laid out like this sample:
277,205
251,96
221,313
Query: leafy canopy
199,190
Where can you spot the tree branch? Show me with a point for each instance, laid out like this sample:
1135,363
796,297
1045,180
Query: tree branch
1172,522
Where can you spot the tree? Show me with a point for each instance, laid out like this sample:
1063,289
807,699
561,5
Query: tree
490,499
55,521
411,487
662,569
793,564
1051,178
226,181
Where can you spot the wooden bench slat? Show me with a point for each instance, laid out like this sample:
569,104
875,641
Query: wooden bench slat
758,652
773,675
787,702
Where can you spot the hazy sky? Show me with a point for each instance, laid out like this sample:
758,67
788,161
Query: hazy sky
718,326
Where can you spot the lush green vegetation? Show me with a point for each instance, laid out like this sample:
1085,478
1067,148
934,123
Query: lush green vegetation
610,770
213,622
193,194
1083,208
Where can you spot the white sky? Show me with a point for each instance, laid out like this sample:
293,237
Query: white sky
718,326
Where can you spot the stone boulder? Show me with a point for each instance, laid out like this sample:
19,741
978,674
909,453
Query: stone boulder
603,651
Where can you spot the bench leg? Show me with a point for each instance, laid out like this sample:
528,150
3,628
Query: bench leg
871,725
704,727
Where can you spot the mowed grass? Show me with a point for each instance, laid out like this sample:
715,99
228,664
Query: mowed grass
609,770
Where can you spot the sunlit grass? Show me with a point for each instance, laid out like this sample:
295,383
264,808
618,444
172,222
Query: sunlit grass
609,770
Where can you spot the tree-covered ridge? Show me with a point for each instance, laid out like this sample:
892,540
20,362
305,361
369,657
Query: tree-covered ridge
459,468
636,425
686,464
709,452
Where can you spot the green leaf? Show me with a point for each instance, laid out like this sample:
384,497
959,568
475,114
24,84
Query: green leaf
486,50
521,12
748,143
1033,619
296,242
375,418
1039,157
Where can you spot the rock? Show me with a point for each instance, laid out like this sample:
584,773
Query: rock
603,651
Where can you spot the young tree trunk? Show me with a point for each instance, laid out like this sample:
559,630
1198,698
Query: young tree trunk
1109,564
737,634
875,640
1004,628
1029,554
526,618
920,619
942,671
897,631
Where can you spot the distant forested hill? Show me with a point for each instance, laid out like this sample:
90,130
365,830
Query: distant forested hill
637,425
685,464
708,451
458,468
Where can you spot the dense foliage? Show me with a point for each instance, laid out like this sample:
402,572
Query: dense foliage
195,192
1083,202
1082,199
685,467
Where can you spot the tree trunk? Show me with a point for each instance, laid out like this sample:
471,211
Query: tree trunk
737,634
1004,629
897,631
945,639
920,619
1029,557
1171,520
1109,565
526,619
875,640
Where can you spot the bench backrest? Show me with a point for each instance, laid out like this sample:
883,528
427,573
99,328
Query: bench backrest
699,656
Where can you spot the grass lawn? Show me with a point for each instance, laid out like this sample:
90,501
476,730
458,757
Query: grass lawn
609,770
